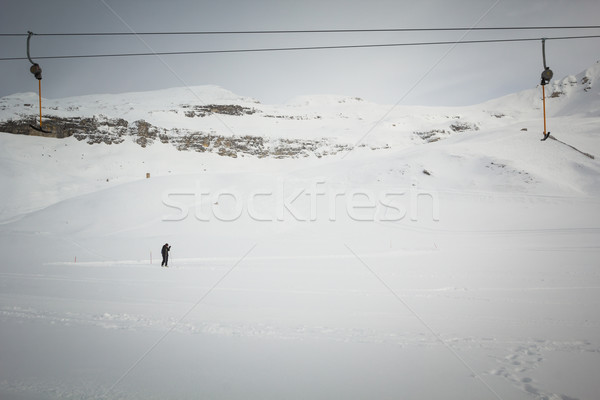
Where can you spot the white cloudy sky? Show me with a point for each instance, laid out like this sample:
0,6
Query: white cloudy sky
432,75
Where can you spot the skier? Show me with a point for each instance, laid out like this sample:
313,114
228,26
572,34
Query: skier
165,254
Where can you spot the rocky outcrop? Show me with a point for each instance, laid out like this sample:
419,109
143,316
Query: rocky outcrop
93,130
100,129
225,109
145,132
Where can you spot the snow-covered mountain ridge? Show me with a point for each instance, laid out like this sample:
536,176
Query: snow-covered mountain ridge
212,119
491,147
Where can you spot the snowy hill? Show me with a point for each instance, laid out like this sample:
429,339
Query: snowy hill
495,144
209,118
325,248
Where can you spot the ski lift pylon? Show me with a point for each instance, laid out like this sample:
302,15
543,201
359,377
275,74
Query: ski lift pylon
36,70
546,77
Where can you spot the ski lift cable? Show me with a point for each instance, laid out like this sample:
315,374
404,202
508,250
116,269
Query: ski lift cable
333,47
310,31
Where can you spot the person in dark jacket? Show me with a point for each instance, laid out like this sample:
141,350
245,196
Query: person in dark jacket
165,254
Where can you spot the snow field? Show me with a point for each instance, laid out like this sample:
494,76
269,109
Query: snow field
461,269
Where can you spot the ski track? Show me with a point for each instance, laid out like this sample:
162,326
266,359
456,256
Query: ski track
136,322
515,360
41,389
522,360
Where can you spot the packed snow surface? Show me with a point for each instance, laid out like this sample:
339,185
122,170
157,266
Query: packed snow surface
424,262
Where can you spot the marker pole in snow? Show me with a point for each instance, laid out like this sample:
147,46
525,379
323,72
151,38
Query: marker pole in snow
546,77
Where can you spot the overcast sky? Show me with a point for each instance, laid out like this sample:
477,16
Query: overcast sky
431,75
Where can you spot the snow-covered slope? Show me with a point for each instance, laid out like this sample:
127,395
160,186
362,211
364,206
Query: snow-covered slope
435,253
209,110
494,145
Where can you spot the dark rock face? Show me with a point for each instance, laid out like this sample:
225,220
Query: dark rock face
100,129
94,130
225,109
463,126
145,132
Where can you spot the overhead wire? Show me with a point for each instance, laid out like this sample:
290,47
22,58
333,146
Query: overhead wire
310,31
300,48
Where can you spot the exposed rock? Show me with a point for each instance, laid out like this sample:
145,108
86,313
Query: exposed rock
101,129
145,132
432,135
463,126
225,109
